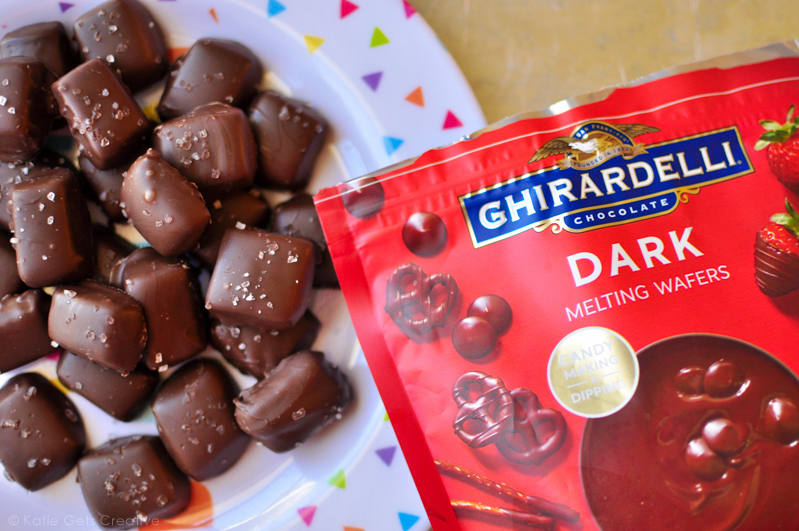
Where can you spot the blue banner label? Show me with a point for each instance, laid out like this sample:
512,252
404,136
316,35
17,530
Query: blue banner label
629,184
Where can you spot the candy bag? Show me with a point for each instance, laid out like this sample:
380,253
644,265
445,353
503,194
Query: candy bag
585,318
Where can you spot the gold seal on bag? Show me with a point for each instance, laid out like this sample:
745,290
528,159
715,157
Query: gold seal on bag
593,372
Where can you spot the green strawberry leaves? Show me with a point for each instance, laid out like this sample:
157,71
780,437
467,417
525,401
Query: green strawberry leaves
777,133
790,220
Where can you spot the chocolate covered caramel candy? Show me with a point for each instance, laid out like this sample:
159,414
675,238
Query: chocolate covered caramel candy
298,217
213,70
244,208
108,250
11,174
41,431
261,279
9,276
290,136
45,41
163,206
212,146
101,323
256,352
167,292
130,481
123,396
23,329
102,116
52,229
124,34
27,108
301,396
106,185
195,417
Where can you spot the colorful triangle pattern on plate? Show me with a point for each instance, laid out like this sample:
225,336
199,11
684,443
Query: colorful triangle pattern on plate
338,480
416,97
407,520
378,38
64,6
392,144
212,11
409,9
307,514
313,43
348,528
373,80
451,121
347,8
386,454
273,7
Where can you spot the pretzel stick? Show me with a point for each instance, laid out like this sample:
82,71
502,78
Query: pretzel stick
465,508
503,491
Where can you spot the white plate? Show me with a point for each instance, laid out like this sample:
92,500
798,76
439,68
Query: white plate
360,63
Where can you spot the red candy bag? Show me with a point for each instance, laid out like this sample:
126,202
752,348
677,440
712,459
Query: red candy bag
586,318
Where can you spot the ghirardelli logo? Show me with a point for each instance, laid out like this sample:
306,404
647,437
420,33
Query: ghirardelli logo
593,143
606,178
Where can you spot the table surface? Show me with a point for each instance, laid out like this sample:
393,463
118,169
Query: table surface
524,55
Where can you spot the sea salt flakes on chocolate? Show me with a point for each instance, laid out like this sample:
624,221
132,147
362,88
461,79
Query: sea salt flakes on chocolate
261,279
45,41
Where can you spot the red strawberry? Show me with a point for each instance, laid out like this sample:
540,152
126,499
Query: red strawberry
783,149
777,254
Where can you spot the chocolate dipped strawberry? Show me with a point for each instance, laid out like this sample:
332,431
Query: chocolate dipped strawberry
777,254
782,144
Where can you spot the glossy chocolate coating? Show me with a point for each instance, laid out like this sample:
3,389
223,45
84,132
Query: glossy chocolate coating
45,41
300,397
123,33
195,417
261,279
23,329
108,250
424,234
27,108
212,146
297,217
41,431
52,229
106,185
212,70
249,208
290,136
9,276
163,206
474,337
704,462
724,436
122,397
11,174
129,481
167,292
101,323
776,272
781,420
690,381
102,116
493,309
363,198
723,379
257,352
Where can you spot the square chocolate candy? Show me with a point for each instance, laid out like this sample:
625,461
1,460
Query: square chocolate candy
109,249
9,276
195,418
163,206
261,279
168,294
122,397
290,136
106,185
41,432
101,323
212,146
301,396
130,481
45,41
212,70
102,115
27,108
23,329
123,33
52,229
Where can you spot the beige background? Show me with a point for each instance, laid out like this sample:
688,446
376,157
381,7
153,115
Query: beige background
524,55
